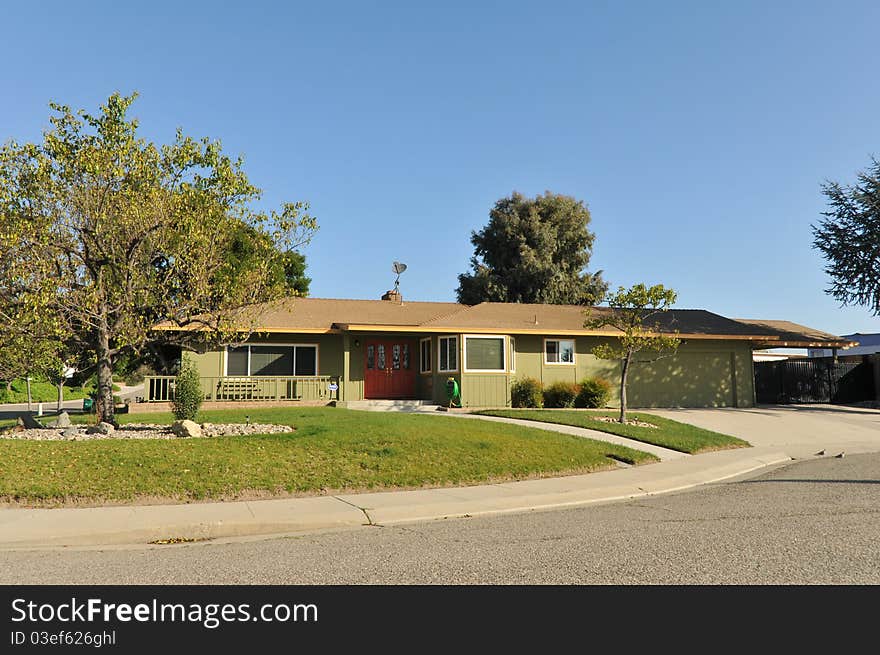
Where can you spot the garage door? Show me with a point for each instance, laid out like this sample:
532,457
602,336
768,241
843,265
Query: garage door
685,380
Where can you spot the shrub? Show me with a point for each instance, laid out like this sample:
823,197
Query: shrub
561,395
526,393
594,393
187,393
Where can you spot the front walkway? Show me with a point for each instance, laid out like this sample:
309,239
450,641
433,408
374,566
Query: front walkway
664,454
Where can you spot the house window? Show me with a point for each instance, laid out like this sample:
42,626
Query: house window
484,353
447,360
558,351
305,360
237,360
272,361
512,354
425,355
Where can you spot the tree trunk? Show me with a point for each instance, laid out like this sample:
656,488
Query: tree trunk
105,406
8,386
623,375
60,396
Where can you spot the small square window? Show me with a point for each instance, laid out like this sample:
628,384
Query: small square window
559,351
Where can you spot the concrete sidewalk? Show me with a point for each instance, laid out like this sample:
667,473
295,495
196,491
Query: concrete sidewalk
34,528
777,434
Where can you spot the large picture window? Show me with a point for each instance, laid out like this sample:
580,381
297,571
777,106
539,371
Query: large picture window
272,361
447,359
558,351
484,353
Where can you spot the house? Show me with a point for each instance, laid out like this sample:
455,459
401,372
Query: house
322,349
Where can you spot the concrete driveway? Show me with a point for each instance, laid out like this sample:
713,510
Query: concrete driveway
799,430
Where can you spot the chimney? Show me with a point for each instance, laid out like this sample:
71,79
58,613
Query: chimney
394,296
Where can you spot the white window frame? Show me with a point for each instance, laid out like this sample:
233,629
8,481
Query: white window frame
430,362
440,369
512,362
316,346
573,352
496,337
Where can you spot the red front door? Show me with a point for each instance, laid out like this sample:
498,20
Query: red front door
389,370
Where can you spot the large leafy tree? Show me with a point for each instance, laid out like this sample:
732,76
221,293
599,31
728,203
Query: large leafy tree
533,250
103,234
849,239
635,313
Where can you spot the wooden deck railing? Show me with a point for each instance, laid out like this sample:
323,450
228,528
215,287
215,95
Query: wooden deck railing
160,388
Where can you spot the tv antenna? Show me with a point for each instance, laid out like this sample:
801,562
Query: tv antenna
397,268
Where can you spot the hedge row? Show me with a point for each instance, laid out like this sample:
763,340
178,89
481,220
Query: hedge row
590,393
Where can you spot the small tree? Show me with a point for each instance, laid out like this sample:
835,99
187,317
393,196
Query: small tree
187,393
631,311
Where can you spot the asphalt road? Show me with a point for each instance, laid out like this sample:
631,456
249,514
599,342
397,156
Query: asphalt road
815,521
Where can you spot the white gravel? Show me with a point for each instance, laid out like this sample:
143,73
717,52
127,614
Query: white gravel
145,431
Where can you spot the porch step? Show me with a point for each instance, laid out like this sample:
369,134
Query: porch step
392,405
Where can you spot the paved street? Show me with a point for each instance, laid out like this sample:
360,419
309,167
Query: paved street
814,521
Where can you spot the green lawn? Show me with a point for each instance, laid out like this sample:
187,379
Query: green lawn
332,449
41,392
669,434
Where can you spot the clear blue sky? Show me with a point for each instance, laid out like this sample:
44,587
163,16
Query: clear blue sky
698,133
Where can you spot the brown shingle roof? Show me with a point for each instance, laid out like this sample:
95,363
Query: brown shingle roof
561,319
333,314
325,313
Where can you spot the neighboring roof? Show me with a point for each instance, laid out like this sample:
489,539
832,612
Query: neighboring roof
328,315
864,344
870,339
785,334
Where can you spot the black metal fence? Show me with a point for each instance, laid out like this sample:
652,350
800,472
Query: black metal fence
814,380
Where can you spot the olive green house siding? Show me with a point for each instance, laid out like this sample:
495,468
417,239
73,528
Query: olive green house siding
699,374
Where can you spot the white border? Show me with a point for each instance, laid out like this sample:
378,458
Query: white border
573,352
512,363
502,337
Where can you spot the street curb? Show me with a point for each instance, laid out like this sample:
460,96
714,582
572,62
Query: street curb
27,529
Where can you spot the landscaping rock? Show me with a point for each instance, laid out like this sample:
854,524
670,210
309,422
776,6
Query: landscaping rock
186,428
63,421
141,431
28,422
101,428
